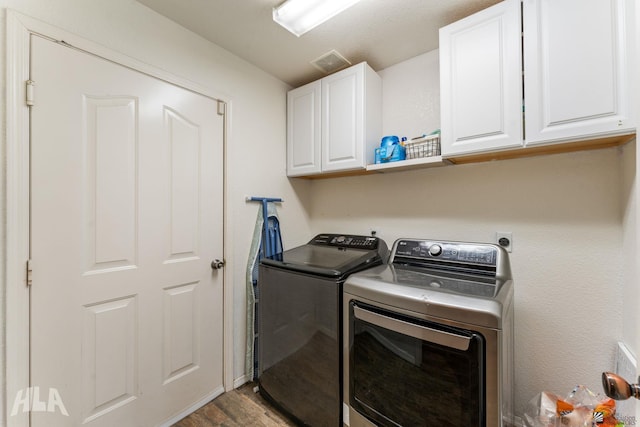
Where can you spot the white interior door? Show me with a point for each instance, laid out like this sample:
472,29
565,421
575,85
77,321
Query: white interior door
126,216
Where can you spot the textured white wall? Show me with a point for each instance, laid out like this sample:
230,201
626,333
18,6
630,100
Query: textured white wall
566,215
631,288
411,93
256,149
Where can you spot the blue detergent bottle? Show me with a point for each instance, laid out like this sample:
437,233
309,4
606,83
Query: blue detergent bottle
391,150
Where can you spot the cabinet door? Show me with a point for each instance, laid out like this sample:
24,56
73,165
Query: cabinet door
576,69
303,130
481,81
343,120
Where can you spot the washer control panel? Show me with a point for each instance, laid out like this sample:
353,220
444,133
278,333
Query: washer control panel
432,251
346,241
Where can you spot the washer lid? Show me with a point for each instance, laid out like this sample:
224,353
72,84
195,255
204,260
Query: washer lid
335,256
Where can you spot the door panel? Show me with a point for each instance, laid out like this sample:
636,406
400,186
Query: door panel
576,62
481,81
126,313
342,120
184,141
110,172
303,130
109,368
181,344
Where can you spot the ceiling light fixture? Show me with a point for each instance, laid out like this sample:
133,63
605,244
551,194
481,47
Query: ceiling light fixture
300,16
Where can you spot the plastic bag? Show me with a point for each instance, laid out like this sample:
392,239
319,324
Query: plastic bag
581,408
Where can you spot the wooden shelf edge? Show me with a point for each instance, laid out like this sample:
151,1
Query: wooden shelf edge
516,153
340,174
558,148
421,163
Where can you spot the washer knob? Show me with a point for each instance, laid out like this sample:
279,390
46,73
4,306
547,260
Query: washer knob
435,250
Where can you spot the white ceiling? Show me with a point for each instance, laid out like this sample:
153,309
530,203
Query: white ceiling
381,32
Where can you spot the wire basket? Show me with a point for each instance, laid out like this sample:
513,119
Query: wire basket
425,146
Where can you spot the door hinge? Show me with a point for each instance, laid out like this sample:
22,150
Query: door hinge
29,272
222,108
30,84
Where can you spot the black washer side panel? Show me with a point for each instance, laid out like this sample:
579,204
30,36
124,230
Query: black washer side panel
300,350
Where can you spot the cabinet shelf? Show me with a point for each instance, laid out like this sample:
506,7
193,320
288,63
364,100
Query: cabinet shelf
421,163
436,161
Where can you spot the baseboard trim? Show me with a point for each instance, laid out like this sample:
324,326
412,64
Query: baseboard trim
239,382
191,409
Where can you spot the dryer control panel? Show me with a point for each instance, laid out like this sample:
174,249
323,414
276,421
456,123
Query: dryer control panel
447,251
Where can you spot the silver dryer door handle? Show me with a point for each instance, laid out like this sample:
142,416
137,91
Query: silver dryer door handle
424,333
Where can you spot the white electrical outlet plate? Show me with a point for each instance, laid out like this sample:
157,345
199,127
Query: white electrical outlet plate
505,239
626,365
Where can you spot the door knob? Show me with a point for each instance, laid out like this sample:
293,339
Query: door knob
618,388
216,264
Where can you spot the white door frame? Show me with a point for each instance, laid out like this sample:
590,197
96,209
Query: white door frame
19,30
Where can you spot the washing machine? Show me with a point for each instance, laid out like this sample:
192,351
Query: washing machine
300,324
428,338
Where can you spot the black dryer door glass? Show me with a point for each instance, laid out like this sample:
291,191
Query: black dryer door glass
399,380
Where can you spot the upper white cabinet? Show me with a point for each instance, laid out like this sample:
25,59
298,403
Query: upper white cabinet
334,124
303,130
481,81
576,67
576,56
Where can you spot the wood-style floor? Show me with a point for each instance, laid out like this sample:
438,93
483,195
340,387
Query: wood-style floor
238,408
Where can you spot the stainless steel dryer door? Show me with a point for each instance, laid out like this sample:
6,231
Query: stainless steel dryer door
412,372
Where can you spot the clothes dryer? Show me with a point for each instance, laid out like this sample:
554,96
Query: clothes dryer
428,338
